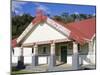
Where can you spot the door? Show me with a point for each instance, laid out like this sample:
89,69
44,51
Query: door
64,54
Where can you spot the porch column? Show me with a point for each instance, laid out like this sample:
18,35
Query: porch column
90,53
75,57
35,55
20,64
52,58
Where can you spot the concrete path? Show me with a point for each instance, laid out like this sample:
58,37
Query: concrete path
58,67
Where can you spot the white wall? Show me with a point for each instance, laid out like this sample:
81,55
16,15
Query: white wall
43,60
82,59
27,52
44,32
17,51
92,54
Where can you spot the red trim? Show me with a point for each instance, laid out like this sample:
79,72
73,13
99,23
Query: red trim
14,43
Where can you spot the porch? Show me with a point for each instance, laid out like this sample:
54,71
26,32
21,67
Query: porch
57,54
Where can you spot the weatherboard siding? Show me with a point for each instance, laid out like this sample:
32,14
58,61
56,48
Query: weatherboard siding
44,32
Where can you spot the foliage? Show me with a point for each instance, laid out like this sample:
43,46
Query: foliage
19,23
67,18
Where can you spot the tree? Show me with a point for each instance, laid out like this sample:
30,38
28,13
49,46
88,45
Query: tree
58,18
19,23
64,17
83,16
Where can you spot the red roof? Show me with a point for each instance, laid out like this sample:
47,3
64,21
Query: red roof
82,30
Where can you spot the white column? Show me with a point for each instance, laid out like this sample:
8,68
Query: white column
20,64
94,51
21,58
53,49
35,55
52,58
75,57
91,54
35,47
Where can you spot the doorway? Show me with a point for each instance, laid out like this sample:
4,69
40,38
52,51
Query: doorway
64,54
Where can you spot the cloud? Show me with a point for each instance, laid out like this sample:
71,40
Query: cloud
17,7
42,7
77,13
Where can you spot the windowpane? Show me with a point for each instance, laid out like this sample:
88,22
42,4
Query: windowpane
32,50
44,50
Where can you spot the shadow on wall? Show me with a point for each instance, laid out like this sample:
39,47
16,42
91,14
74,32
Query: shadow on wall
85,58
85,54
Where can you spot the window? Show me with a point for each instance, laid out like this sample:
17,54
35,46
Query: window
13,50
84,49
32,50
70,45
44,50
79,47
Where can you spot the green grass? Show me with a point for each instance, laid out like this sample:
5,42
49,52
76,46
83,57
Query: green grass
20,72
17,71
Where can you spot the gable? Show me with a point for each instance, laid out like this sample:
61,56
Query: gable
44,32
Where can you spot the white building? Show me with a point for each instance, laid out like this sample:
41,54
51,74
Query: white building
46,41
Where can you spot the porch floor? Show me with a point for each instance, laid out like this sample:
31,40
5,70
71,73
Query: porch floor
58,67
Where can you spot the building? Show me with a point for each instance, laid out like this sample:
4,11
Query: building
54,41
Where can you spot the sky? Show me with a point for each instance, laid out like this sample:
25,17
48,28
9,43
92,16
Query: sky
20,8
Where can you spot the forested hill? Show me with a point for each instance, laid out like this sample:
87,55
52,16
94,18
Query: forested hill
19,23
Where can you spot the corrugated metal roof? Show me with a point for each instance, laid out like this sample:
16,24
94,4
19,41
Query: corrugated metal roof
83,30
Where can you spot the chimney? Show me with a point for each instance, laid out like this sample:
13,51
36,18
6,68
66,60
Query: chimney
39,13
40,17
